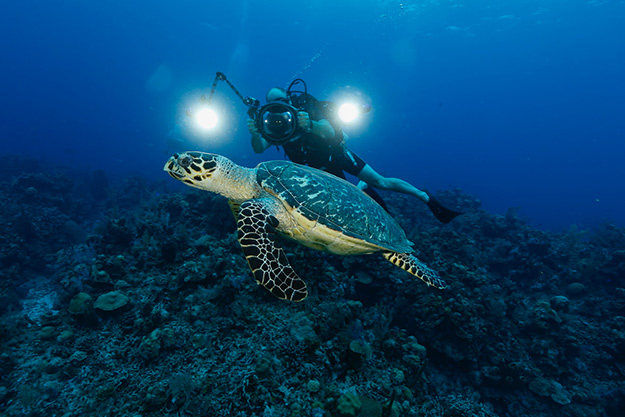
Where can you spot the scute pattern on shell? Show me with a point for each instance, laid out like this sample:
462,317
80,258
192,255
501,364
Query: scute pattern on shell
335,203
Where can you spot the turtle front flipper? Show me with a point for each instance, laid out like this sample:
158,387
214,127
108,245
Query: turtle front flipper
266,258
234,207
412,265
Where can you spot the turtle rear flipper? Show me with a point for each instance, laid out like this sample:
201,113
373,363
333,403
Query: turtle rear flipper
265,256
412,265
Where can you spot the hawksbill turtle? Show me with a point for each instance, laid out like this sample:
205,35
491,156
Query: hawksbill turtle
307,205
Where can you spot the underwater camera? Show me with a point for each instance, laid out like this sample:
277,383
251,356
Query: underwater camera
277,122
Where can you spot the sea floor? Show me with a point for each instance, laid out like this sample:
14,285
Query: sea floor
133,298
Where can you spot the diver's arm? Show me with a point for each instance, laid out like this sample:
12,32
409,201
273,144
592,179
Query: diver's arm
322,128
259,144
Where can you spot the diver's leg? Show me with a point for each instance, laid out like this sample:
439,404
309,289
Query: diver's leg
349,162
371,177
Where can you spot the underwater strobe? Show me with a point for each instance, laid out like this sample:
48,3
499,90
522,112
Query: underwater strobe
349,112
205,116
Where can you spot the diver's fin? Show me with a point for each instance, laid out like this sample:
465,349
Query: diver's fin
442,213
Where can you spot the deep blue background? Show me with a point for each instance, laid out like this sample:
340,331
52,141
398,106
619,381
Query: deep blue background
520,103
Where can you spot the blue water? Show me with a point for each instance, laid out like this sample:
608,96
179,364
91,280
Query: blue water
519,103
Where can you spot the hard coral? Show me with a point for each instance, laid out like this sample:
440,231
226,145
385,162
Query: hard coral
111,301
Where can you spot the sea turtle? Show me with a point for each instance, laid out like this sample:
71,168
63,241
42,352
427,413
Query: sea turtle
310,206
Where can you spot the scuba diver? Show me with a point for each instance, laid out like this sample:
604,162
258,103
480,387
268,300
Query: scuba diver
310,134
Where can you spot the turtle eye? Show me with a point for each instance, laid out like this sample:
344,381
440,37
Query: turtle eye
185,161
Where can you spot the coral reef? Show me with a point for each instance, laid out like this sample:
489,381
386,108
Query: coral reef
129,299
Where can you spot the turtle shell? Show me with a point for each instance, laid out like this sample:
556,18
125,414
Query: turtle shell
332,202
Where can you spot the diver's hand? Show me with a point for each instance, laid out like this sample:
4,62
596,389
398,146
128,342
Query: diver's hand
251,126
304,122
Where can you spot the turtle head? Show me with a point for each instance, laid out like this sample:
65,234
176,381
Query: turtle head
212,172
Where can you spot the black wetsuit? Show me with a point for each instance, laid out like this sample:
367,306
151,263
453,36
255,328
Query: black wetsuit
330,155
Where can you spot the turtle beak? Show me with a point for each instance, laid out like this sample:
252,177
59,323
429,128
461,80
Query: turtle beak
173,168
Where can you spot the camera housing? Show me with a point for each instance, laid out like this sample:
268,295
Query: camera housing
277,122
